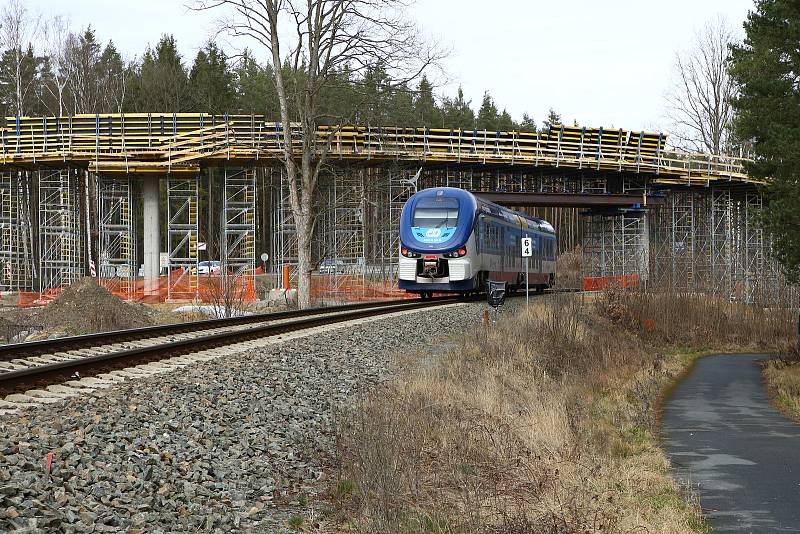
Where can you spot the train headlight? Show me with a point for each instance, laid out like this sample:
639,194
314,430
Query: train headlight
408,254
457,253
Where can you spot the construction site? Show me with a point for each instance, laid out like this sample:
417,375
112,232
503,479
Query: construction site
146,202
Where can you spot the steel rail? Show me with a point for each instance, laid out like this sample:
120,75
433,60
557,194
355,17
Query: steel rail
48,374
48,346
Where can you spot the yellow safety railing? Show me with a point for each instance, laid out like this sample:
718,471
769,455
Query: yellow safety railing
179,142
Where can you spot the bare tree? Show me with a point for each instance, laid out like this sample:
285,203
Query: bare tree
699,103
56,37
309,42
83,56
18,31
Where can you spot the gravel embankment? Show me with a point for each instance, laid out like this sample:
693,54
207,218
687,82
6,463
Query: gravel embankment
232,444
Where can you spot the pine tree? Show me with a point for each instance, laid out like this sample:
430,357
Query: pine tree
768,114
111,80
488,118
163,79
254,87
401,108
373,94
553,119
30,80
527,124
211,81
426,112
342,98
505,123
457,112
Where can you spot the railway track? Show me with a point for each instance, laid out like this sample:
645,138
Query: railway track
45,371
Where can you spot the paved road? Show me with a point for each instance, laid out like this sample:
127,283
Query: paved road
741,456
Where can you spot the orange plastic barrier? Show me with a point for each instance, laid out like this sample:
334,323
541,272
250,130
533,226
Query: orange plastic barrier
596,283
202,288
353,288
211,289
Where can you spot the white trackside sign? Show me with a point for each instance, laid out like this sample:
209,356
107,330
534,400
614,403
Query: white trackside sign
527,247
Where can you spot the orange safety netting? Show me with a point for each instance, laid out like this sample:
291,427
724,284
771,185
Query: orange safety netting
595,283
353,288
177,286
180,286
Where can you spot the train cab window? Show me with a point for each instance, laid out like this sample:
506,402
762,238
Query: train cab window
436,213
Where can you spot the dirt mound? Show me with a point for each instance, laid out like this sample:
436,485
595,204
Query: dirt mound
85,307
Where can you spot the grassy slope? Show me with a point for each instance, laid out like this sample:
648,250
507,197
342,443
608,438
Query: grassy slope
547,423
782,376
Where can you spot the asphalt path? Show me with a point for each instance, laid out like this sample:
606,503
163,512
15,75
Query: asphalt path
727,443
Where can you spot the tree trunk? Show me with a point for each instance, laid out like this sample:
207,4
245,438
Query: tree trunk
304,236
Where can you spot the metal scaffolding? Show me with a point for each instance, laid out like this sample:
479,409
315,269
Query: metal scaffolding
344,231
752,253
720,236
401,187
60,236
15,243
616,244
182,232
682,239
117,234
238,250
284,235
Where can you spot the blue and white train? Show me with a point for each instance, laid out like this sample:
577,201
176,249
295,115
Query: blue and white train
453,242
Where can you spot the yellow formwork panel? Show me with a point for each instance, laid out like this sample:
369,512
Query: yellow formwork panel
178,143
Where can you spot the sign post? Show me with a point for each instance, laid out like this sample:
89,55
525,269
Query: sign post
264,258
495,295
527,252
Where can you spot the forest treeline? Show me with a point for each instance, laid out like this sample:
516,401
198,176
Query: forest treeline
77,73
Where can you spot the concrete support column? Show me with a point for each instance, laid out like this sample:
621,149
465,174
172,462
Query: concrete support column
152,234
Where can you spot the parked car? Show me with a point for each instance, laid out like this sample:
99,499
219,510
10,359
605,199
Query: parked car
207,267
330,266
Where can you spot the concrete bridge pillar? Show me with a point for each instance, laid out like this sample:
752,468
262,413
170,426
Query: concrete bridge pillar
152,234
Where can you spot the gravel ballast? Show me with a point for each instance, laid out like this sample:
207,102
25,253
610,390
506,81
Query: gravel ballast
238,443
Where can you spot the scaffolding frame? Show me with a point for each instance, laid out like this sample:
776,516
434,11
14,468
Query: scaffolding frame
344,231
753,248
682,241
238,232
15,253
721,242
696,240
616,244
401,187
284,237
182,238
117,234
60,235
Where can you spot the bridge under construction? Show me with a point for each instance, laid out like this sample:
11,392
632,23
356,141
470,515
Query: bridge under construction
107,193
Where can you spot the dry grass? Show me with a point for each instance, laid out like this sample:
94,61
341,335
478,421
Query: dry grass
696,321
544,424
569,266
782,375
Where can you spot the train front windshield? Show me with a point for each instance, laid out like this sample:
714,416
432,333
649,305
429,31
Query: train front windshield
434,220
436,213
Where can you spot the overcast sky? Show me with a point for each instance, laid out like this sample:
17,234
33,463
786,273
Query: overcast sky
600,62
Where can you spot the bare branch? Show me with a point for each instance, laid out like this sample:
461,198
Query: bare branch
309,44
699,104
18,31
